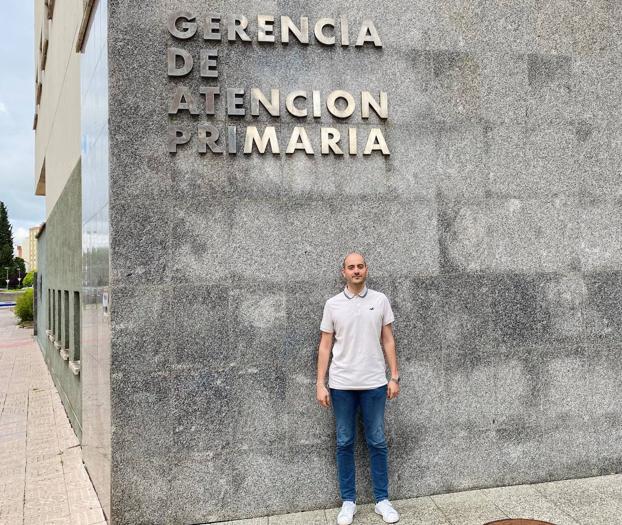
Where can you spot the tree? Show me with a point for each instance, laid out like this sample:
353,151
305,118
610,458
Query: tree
14,274
6,238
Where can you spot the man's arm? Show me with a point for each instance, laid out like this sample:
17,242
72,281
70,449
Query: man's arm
388,345
323,356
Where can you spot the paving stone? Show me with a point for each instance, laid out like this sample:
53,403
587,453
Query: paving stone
421,511
316,517
87,517
524,501
468,508
584,501
42,477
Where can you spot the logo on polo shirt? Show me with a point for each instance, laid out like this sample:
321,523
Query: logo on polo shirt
371,307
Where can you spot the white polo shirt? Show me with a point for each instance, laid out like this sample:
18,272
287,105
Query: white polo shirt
357,321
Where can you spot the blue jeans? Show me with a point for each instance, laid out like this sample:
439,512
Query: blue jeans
346,404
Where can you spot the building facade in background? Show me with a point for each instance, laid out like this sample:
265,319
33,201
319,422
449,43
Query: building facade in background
27,250
207,165
30,250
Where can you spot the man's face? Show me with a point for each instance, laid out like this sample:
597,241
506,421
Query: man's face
355,271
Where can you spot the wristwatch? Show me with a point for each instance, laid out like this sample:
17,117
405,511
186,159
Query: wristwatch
395,380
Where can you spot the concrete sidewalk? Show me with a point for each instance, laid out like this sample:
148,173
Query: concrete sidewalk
43,480
590,501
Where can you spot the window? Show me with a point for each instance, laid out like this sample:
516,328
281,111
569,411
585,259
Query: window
66,319
50,8
76,326
44,43
53,311
58,317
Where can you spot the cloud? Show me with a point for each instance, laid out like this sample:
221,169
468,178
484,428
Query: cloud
6,116
16,111
20,235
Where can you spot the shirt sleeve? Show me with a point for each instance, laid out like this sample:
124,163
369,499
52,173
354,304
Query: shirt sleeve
327,324
387,313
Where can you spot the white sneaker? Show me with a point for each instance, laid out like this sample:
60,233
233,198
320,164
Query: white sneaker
346,514
386,510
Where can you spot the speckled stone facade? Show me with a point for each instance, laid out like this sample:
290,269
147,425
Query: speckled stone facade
494,228
59,275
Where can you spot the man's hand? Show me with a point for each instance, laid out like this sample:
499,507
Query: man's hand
323,397
393,390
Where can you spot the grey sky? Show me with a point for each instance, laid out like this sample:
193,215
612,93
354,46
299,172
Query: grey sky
16,114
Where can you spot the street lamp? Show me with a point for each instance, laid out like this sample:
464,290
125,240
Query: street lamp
7,276
19,277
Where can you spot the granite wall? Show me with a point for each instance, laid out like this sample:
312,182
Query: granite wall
58,297
493,227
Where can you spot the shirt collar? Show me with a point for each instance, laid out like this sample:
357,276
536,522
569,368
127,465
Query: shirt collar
350,295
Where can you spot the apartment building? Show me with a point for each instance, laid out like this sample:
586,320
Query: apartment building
30,250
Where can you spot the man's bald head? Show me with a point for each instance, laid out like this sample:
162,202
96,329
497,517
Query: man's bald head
353,255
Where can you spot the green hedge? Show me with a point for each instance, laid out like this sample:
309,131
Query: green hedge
29,279
24,305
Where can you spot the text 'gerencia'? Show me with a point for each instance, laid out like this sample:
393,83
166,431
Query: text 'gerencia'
241,119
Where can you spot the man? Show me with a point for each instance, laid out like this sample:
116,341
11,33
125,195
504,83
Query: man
358,320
